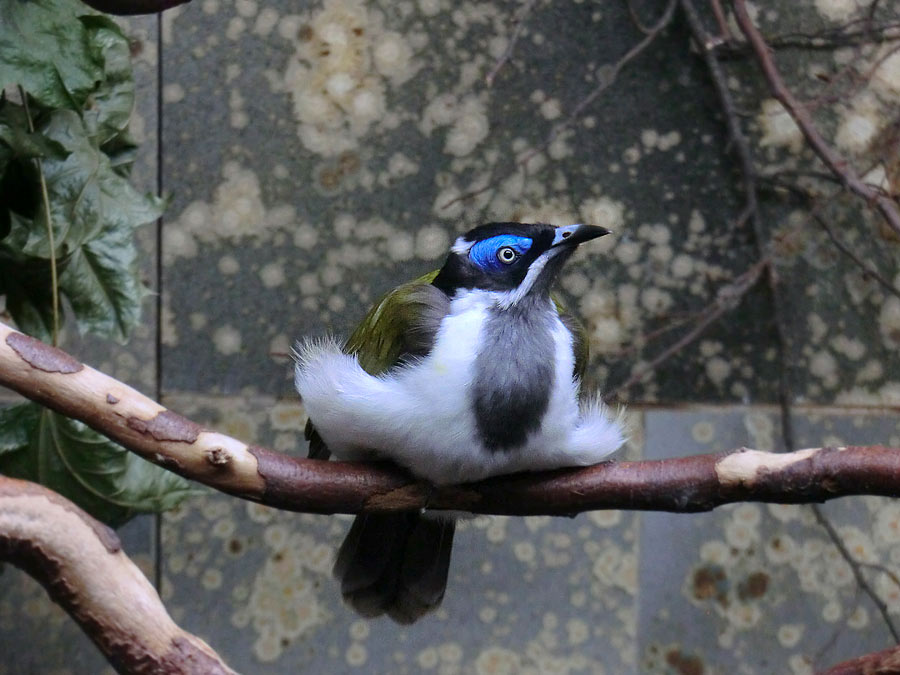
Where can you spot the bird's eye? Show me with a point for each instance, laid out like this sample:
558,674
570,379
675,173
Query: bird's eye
507,255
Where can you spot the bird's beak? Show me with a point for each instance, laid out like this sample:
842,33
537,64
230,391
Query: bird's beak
572,235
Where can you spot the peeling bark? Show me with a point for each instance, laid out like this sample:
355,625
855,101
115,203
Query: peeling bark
685,484
81,564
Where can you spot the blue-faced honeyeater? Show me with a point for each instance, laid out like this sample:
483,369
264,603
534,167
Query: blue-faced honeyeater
467,372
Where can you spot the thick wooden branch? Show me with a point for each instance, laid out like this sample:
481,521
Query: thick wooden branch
699,483
81,564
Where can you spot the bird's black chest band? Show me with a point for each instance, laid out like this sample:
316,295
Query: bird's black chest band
514,376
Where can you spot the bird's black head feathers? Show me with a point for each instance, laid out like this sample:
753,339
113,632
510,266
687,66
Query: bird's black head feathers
498,256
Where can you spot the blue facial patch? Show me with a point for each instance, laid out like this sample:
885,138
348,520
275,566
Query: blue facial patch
484,253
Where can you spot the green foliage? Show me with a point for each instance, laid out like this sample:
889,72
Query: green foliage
75,68
70,458
66,96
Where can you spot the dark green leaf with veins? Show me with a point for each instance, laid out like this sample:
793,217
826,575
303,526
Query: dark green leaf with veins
72,459
94,211
45,48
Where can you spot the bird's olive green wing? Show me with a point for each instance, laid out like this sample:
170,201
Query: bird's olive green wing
579,338
401,325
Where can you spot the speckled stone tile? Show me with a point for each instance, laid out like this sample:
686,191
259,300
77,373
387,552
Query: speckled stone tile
843,327
317,157
756,588
524,595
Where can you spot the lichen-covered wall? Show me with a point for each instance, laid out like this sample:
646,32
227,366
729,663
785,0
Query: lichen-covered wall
318,154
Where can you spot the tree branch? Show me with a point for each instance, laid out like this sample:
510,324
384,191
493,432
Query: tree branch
838,165
53,378
884,662
81,564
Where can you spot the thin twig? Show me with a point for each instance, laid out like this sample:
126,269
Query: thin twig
636,19
830,38
606,76
519,26
882,568
54,281
727,298
721,21
886,206
868,270
732,120
861,580
835,633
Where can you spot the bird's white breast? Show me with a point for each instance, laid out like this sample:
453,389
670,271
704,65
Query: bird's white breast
421,415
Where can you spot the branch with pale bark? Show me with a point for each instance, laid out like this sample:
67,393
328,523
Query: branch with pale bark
54,378
81,564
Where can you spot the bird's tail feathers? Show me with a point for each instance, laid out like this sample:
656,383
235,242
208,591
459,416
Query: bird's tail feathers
598,434
395,564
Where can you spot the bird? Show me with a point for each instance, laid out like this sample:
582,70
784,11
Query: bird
470,371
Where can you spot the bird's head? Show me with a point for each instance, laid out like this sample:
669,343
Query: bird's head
518,260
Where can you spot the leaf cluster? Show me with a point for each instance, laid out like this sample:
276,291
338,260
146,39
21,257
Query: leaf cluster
72,459
66,205
68,94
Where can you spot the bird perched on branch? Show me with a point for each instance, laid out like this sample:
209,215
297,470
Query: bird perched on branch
467,372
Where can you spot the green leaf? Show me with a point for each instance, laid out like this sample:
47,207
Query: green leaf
87,196
70,458
94,211
66,56
102,282
29,301
15,421
108,108
17,142
46,49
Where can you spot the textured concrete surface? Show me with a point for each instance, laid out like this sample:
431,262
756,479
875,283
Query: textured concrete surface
318,155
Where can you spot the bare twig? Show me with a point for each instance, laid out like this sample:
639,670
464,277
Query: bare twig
861,580
837,164
834,38
868,270
45,202
849,179
834,634
727,298
721,22
732,120
81,564
887,571
606,76
518,26
748,170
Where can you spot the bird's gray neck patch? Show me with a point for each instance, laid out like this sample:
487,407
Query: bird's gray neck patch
514,372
